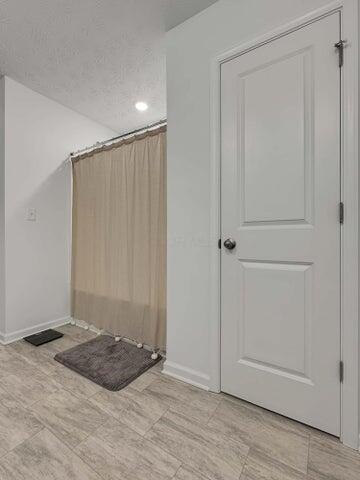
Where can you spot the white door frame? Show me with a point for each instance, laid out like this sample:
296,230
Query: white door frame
349,193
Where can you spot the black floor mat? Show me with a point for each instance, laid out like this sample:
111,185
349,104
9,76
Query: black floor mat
43,337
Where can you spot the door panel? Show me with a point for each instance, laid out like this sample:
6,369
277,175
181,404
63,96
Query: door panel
275,304
280,147
261,117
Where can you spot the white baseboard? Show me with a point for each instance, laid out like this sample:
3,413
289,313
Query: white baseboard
187,375
6,338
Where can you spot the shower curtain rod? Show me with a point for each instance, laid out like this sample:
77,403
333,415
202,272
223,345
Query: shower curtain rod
118,137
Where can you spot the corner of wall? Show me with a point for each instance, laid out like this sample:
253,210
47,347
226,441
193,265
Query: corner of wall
188,375
36,136
2,205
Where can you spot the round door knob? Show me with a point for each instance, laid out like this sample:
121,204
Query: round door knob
230,244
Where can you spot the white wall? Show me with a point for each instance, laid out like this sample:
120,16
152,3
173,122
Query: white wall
39,135
190,49
2,204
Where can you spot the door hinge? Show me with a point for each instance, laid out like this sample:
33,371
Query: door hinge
340,48
341,212
219,243
341,371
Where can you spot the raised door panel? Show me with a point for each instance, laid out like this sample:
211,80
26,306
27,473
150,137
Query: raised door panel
275,122
275,318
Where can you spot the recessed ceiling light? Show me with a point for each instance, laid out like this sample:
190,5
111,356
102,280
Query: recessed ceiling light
141,106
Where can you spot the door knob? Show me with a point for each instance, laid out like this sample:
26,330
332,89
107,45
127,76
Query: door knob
230,244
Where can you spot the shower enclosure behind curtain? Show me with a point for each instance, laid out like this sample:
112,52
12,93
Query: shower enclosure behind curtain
119,238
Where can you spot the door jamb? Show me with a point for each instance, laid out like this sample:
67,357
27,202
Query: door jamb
349,195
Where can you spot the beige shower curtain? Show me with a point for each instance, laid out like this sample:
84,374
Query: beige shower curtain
119,238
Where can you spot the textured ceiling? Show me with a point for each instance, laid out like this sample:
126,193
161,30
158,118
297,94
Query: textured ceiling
97,57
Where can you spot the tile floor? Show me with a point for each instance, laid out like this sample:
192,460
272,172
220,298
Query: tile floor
55,424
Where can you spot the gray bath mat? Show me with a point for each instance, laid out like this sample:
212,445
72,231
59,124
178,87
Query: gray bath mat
113,365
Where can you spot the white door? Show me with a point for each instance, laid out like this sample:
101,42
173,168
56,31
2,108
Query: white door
280,136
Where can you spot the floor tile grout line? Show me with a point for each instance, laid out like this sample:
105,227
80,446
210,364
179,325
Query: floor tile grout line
129,426
242,443
46,426
96,429
173,409
239,441
112,417
90,466
60,388
74,452
81,397
4,454
252,445
184,464
61,439
92,434
48,354
174,476
112,455
308,455
281,462
30,406
212,416
201,474
245,463
277,420
25,440
144,434
163,450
